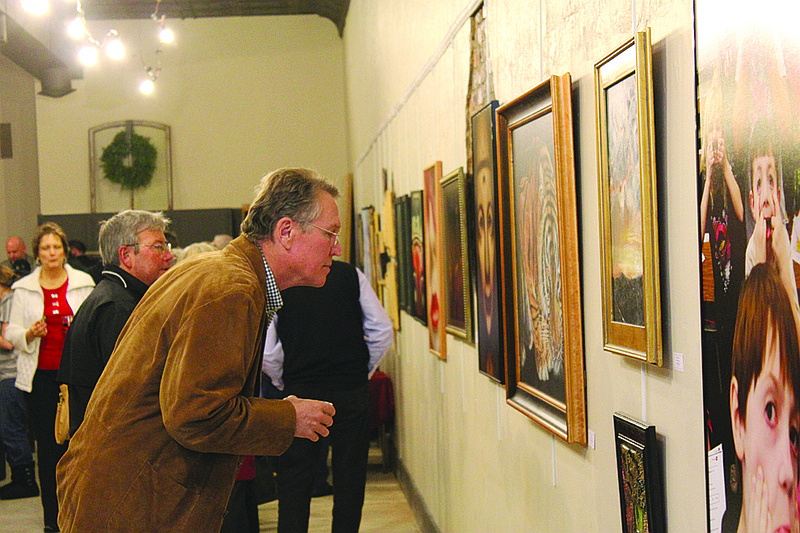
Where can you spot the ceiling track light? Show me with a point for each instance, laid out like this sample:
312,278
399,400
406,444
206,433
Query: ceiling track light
111,43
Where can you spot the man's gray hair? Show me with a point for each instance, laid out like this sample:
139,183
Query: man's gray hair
123,229
286,192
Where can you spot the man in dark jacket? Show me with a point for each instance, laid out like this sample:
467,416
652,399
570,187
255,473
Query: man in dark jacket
135,253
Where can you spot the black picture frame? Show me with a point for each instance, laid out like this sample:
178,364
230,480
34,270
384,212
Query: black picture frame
485,245
639,472
402,229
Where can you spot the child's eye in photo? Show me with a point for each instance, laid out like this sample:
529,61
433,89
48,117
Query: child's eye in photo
769,410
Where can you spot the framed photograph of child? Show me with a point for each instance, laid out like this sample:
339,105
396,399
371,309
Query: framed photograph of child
541,267
628,207
455,255
434,265
641,493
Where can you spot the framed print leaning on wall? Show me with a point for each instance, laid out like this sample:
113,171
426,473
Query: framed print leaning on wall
628,207
488,316
541,267
434,266
455,255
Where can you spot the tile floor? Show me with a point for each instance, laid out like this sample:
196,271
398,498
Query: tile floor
386,509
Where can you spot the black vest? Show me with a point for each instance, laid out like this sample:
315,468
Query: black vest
322,333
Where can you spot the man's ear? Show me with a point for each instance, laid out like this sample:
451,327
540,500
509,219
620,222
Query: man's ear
124,253
737,423
284,232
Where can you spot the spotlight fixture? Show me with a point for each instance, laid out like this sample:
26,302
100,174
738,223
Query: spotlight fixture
87,55
112,44
114,47
147,86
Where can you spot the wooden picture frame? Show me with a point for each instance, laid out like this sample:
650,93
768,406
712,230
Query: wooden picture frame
455,254
639,472
434,264
420,301
628,206
488,314
541,265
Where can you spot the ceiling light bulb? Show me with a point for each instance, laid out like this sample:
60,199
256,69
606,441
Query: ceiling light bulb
166,35
76,28
88,55
36,7
147,86
115,49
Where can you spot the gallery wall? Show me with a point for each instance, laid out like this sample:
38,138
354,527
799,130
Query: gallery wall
242,96
19,178
474,462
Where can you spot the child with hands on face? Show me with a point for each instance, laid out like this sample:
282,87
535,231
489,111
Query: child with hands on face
764,400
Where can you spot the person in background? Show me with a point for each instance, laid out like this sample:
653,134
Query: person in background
16,249
13,411
221,241
78,259
135,254
175,411
18,259
324,344
42,308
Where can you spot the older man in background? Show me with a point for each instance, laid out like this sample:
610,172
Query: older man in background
16,251
175,410
135,254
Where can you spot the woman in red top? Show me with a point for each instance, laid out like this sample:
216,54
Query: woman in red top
43,306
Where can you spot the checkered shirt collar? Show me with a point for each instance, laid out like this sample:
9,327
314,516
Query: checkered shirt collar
274,300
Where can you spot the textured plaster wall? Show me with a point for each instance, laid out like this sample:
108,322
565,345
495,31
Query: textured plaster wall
478,464
19,184
242,95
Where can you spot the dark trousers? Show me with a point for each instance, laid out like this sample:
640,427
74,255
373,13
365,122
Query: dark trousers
42,405
349,441
241,516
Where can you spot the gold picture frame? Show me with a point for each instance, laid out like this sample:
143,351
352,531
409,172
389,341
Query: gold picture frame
540,270
455,254
628,206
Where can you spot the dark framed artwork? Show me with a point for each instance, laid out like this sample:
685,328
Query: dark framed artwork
456,254
541,268
434,265
359,244
487,244
641,492
628,207
405,271
418,258
397,207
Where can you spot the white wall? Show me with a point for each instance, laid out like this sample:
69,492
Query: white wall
19,184
243,96
478,464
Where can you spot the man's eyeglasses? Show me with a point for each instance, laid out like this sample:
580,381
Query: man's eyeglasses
159,247
329,232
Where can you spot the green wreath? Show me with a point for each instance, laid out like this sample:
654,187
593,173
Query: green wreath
131,172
